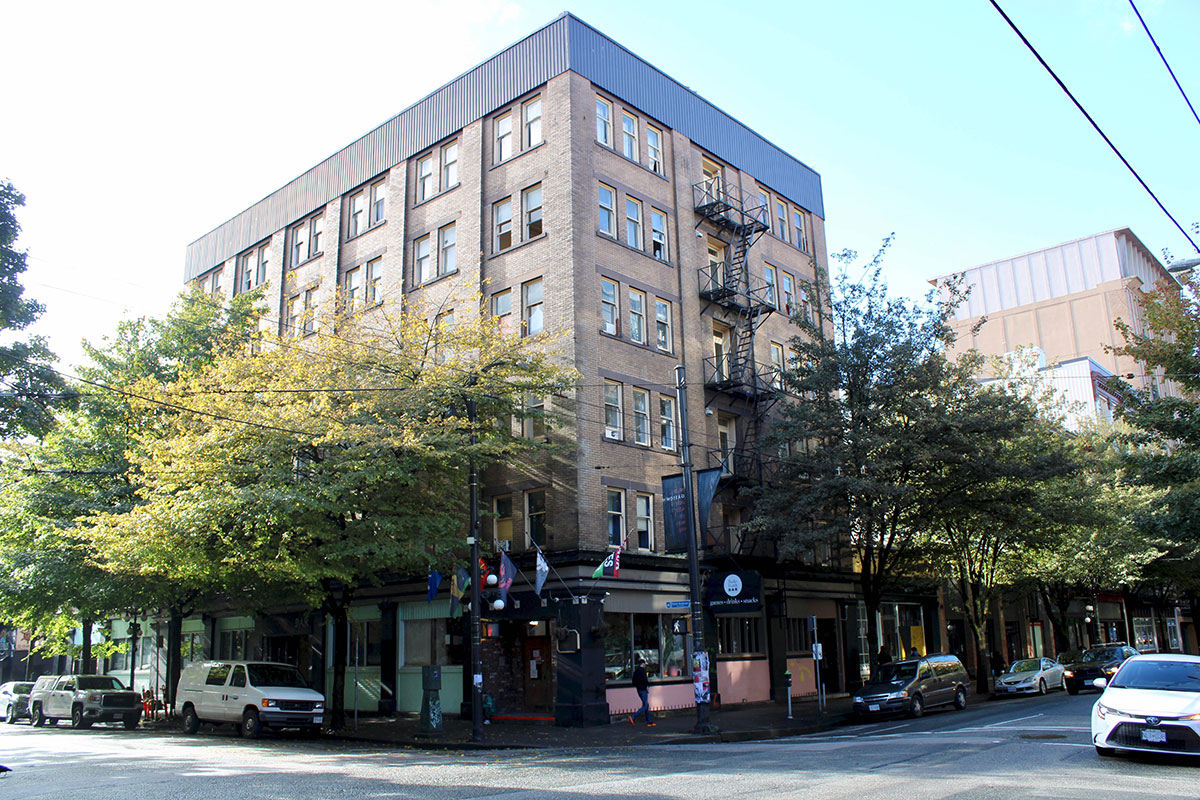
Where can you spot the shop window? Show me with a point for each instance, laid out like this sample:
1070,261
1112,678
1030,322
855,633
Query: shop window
425,642
367,644
739,635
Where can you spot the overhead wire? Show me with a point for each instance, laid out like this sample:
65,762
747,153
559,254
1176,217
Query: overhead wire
1161,55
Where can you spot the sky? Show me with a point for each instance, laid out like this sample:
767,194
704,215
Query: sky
134,128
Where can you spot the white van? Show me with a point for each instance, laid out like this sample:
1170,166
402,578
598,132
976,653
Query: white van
250,694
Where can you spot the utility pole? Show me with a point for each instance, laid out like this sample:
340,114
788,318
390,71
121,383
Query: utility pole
476,620
696,629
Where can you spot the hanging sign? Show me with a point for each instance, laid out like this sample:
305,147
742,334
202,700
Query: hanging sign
733,592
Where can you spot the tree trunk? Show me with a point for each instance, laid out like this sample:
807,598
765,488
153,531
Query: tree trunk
983,674
1058,621
87,664
174,655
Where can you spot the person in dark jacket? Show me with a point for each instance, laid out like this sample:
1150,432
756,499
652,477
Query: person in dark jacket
642,683
884,656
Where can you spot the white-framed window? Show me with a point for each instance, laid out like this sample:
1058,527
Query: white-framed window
531,307
629,136
712,177
764,202
608,306
502,222
443,328
378,202
604,122
613,428
502,523
789,294
654,149
292,316
643,510
666,421
214,283
423,260
426,186
502,303
641,417
633,223
356,221
616,517
306,239
658,235
777,365
504,140
662,324
352,289
781,223
772,291
447,249
535,516
531,203
532,112
800,229
608,210
316,227
264,261
449,165
309,324
375,281
244,272
637,316
534,426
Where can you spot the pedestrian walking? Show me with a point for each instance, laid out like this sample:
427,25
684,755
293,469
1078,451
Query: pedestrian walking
642,683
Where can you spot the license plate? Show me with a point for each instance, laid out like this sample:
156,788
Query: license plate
873,707
318,718
1154,735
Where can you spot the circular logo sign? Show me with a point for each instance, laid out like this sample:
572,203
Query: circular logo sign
733,585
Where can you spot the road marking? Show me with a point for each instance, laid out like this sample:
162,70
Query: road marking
1064,744
1014,719
881,730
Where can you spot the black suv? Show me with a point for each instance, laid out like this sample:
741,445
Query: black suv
1097,662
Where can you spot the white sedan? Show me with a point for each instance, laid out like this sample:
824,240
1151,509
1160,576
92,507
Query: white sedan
1030,676
1151,704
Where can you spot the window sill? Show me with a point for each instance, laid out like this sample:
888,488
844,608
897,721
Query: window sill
508,250
305,261
514,157
434,280
629,160
434,196
363,233
633,249
652,348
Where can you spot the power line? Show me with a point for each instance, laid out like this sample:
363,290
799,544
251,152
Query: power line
1164,60
1083,111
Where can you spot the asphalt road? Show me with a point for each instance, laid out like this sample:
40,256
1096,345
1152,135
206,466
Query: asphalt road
1026,748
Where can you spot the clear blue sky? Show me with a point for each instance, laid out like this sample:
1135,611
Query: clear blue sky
136,128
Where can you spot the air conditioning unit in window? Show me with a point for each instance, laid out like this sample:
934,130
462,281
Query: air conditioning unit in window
612,433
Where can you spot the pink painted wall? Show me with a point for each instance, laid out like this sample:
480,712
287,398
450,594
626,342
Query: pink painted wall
744,681
663,697
804,677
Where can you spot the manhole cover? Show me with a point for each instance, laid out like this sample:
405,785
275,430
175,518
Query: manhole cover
1041,736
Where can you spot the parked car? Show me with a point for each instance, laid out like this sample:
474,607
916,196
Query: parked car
914,685
1152,704
1097,662
1069,657
250,694
14,700
1031,676
83,699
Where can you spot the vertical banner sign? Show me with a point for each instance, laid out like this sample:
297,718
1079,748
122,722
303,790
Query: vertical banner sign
700,677
706,489
675,514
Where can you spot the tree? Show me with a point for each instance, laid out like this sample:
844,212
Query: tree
29,386
323,465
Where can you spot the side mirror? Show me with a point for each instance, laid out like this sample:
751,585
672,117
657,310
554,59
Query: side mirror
1100,683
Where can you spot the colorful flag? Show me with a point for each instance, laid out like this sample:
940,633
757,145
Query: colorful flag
459,581
610,566
508,571
435,580
543,570
484,570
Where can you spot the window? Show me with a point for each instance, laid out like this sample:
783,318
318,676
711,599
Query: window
443,330
641,417
629,638
378,202
777,365
798,640
637,316
629,136
720,352
352,289
535,516
374,277
712,178
608,306
502,525
244,273
726,441
292,316
357,221
447,250
264,259
738,635
231,645
616,517
533,122
531,306
789,294
662,324
502,308
772,293
763,211
310,312
426,188
306,239
425,642
502,220
504,144
666,417
781,226
603,122
299,243
422,263
654,148
535,422
531,202
643,510
633,223
800,227
608,204
450,165
612,410
658,235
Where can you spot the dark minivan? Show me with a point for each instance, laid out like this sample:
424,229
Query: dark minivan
914,685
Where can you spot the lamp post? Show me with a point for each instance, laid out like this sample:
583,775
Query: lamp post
476,621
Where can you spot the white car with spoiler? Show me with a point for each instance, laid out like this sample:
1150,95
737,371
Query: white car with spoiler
1152,704
253,695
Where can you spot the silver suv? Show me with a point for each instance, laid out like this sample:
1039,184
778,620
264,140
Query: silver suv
84,699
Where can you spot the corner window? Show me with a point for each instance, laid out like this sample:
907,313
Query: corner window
531,201
637,316
658,235
800,228
502,222
504,143
608,205
531,307
422,260
608,306
603,122
616,517
447,250
641,417
426,188
662,324
629,136
535,516
654,149
666,419
532,111
612,410
450,165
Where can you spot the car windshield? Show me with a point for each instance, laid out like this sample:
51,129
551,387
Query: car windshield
1107,654
275,675
902,672
1028,665
99,682
1169,676
22,688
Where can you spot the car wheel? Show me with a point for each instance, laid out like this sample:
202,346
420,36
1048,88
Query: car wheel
191,722
36,716
130,721
917,707
1072,689
1041,686
1062,684
251,727
77,720
11,719
1105,752
960,698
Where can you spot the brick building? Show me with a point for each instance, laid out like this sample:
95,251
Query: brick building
586,194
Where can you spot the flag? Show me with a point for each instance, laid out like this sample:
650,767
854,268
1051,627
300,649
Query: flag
543,570
435,580
459,581
484,569
611,565
508,571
